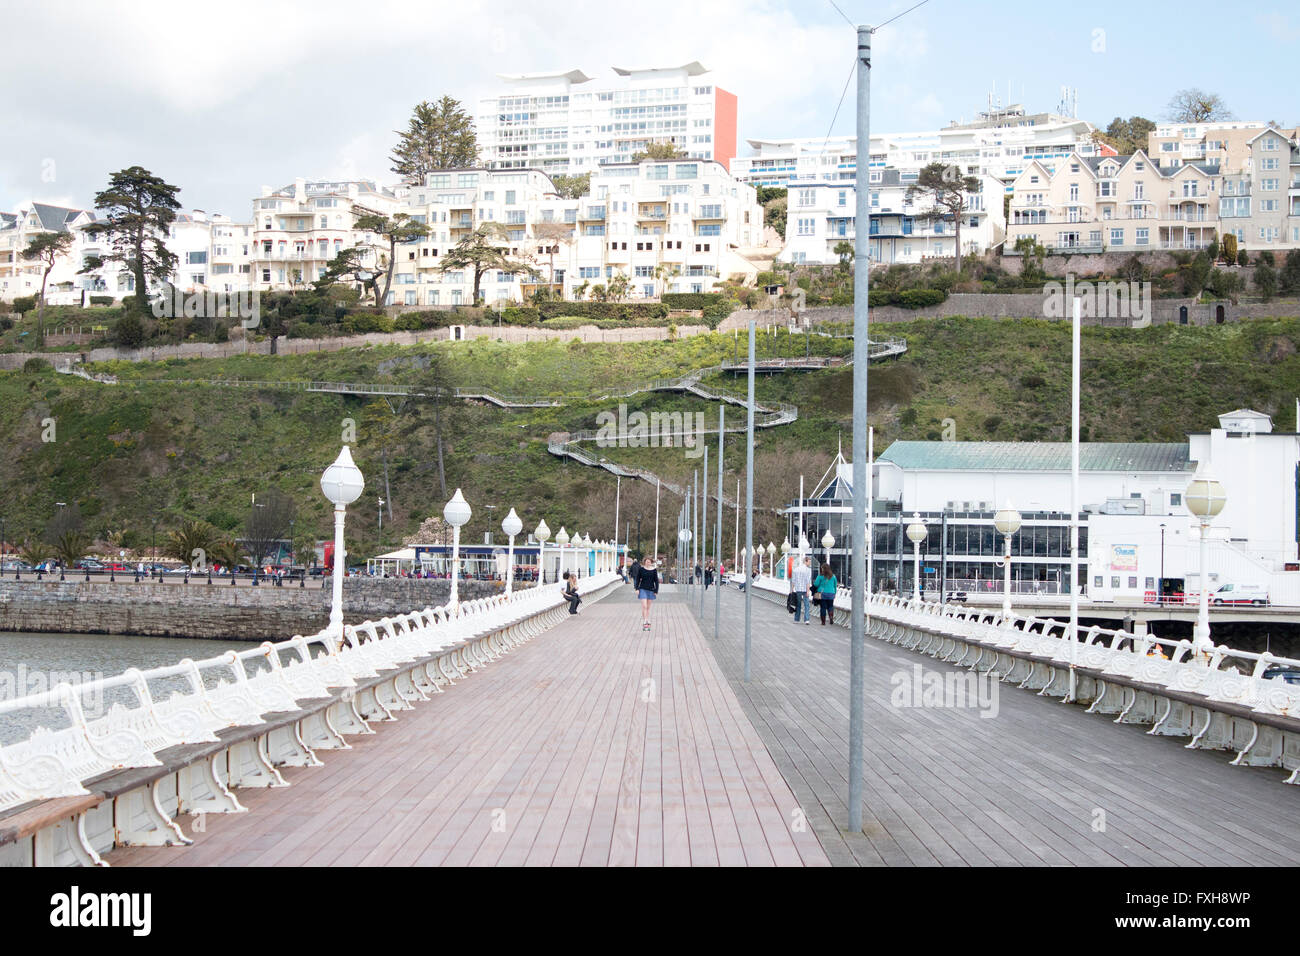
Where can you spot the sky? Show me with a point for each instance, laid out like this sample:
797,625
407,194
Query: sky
223,99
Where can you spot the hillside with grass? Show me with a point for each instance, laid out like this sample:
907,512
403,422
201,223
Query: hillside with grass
164,444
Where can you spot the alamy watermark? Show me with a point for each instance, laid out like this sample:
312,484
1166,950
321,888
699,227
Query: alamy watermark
171,303
1114,300
683,430
23,681
921,688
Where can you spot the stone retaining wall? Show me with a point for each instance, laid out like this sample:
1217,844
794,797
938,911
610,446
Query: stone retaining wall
242,613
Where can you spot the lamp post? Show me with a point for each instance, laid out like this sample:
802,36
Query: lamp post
541,533
1160,584
683,540
342,483
561,539
1007,523
828,542
638,533
1205,498
771,560
511,525
785,555
456,512
916,534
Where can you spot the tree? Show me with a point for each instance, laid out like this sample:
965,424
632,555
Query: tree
399,228
380,423
46,248
70,547
846,253
439,136
664,272
580,290
304,548
193,540
1229,247
572,187
1242,258
350,264
268,524
1196,106
946,188
478,251
552,235
618,287
599,293
226,552
138,208
1290,276
66,518
1127,136
128,331
1265,281
33,551
435,386
774,213
665,149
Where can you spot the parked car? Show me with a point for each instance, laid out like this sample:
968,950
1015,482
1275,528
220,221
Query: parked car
1283,672
956,597
1256,594
89,564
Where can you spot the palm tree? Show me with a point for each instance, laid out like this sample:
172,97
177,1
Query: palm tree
70,547
34,551
225,551
581,290
190,537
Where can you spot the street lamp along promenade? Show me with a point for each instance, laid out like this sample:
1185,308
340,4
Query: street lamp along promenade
342,484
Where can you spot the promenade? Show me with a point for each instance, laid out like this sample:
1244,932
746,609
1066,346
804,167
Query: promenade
594,744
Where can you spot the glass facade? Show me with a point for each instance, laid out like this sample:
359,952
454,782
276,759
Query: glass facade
961,549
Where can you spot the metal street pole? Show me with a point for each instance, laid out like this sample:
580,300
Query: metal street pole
717,539
1074,497
618,494
656,551
861,356
749,504
704,527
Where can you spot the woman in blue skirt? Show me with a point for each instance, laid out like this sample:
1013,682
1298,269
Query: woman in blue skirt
647,588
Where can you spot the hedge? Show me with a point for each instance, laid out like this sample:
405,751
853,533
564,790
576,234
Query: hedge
692,300
908,298
101,300
603,310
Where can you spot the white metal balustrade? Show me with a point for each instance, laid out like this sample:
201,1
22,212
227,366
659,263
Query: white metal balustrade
336,688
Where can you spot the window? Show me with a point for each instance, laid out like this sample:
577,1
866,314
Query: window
1270,143
1268,205
844,197
1142,237
1268,162
1117,237
510,197
804,227
807,197
1268,185
1175,500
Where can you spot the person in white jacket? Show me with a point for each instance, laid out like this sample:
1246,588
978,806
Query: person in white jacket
800,585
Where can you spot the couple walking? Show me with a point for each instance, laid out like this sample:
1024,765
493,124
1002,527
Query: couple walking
824,587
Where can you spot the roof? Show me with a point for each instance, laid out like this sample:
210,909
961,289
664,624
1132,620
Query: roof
573,76
694,68
1038,456
54,218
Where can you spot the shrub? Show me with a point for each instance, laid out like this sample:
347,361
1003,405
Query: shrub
702,300
1242,258
624,311
24,304
1229,247
921,298
1033,381
1265,281
129,331
524,316
6,324
364,322
101,300
1266,257
1290,274
35,366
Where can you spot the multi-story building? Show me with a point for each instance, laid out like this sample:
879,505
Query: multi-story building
668,226
998,143
1136,539
212,253
298,229
1260,198
571,123
1115,203
1226,144
821,216
66,284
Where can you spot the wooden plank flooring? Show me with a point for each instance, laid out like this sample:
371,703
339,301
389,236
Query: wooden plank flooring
1039,783
595,744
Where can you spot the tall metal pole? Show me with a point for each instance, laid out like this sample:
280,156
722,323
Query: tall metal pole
656,550
695,525
704,527
861,356
749,504
1074,497
717,539
735,548
618,494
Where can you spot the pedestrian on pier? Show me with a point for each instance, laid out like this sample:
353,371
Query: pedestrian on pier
826,587
571,592
647,588
801,588
634,571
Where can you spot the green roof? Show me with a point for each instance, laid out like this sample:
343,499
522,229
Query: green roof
1037,456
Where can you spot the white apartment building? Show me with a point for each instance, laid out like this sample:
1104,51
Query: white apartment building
999,144
1260,198
819,216
672,226
1115,203
572,123
1226,144
66,286
298,229
213,254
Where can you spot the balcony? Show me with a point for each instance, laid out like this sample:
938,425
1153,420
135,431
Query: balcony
592,214
1184,244
1180,215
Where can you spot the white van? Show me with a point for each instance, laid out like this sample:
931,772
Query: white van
1240,594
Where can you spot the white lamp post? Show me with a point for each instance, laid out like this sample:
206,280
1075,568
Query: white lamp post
511,525
561,539
803,546
828,542
1007,523
785,555
586,543
456,512
342,484
771,560
1204,498
542,533
683,541
916,534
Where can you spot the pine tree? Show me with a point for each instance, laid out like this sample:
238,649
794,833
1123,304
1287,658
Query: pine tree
439,136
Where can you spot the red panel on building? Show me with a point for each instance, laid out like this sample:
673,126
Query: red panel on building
724,126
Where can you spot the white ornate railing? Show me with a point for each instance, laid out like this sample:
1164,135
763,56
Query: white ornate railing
1220,699
423,651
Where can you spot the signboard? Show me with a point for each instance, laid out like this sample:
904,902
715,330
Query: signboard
1123,557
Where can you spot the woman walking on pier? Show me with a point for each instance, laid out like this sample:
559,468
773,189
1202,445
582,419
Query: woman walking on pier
647,588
